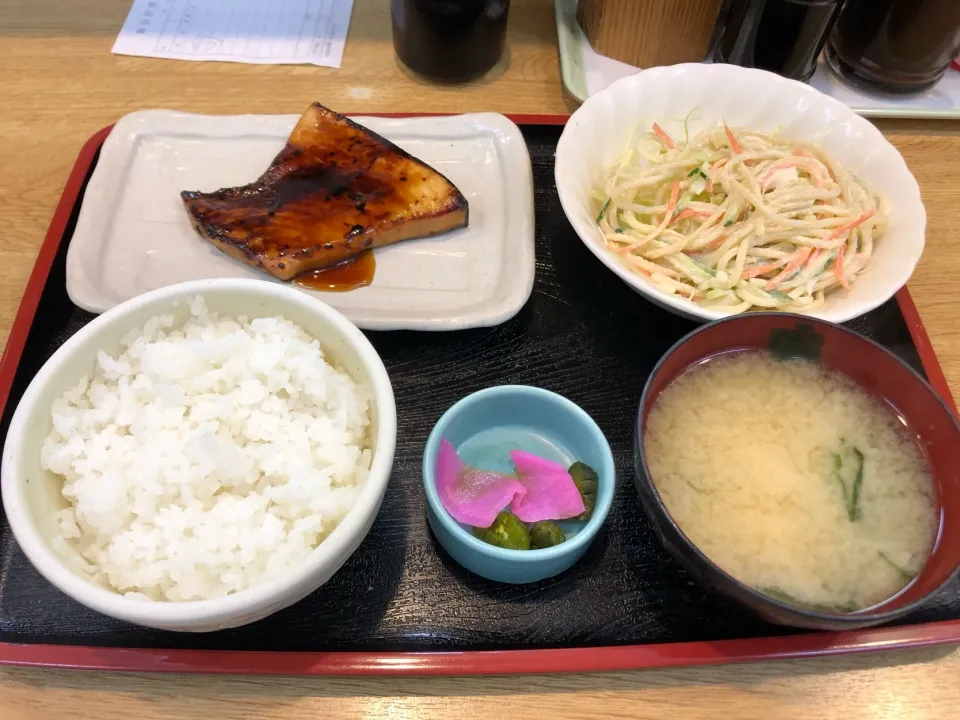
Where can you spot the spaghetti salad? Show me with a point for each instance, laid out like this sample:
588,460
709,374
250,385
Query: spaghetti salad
734,219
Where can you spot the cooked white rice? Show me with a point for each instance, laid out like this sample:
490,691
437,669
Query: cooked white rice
741,450
206,457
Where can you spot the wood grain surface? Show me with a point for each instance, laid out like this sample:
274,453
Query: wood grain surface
59,84
649,33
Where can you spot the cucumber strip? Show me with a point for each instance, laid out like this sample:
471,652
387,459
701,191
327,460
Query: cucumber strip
603,210
691,267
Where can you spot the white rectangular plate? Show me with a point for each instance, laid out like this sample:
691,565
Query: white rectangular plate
133,234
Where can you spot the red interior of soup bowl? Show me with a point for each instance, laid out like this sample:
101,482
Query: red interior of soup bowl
876,370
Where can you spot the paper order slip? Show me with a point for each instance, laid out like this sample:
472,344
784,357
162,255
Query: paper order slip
246,31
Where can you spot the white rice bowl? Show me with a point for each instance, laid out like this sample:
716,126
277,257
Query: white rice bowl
206,457
198,484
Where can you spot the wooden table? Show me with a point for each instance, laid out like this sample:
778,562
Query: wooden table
59,84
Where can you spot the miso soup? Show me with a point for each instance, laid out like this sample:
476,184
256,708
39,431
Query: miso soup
793,480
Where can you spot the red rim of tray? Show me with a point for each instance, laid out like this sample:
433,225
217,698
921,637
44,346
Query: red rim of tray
490,662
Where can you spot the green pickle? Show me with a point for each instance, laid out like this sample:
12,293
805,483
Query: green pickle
510,532
546,534
507,531
587,481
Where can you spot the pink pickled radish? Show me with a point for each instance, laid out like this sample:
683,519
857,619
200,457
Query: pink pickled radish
550,491
473,496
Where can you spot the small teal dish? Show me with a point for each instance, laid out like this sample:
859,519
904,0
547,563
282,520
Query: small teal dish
484,427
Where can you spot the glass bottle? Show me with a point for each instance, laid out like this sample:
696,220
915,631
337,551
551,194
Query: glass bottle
899,46
449,40
782,36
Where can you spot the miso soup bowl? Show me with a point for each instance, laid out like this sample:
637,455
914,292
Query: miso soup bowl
875,370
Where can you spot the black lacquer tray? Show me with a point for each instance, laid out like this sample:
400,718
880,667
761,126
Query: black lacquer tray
400,604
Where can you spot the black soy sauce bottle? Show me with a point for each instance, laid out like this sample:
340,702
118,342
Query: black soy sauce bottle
449,40
782,36
895,46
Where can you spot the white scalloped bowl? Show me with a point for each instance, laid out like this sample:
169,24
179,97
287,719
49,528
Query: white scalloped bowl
596,134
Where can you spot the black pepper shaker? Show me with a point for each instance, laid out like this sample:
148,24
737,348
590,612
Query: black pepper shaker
782,36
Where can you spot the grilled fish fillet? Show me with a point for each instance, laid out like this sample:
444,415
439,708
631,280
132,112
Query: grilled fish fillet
335,190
